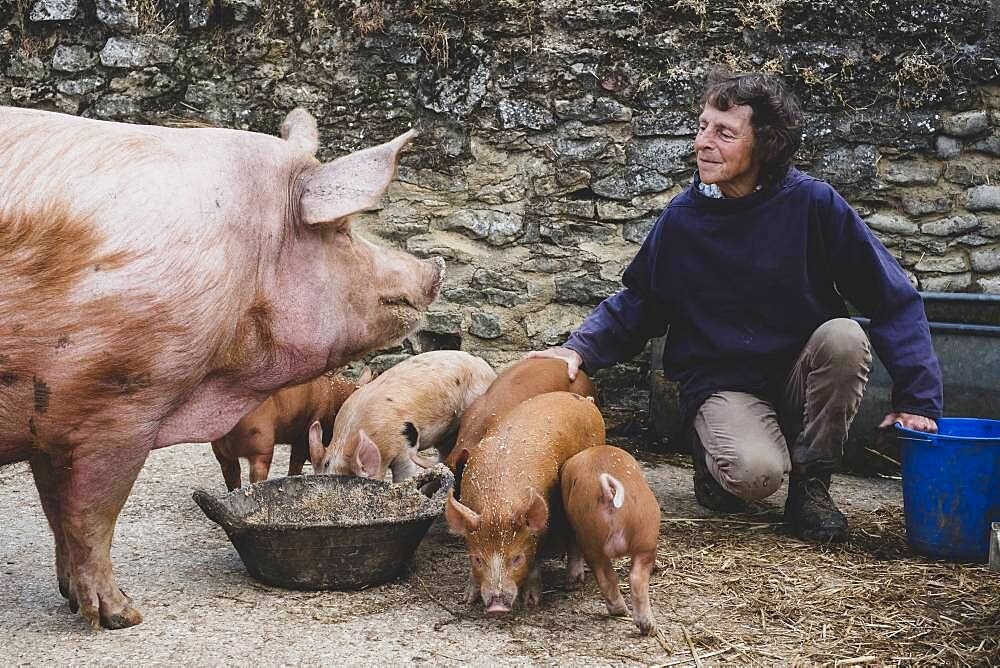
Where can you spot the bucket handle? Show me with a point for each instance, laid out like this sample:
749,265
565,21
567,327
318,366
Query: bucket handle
439,474
217,511
908,434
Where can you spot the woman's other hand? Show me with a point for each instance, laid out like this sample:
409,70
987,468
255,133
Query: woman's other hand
571,357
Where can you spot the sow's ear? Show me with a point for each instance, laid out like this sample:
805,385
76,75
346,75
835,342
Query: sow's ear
353,183
299,129
461,518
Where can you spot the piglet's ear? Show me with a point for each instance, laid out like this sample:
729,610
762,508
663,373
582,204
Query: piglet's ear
353,183
461,518
316,449
536,517
366,376
367,458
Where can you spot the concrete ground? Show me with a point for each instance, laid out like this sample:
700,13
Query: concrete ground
201,607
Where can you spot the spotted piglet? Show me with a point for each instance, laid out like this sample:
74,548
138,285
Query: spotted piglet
613,514
413,406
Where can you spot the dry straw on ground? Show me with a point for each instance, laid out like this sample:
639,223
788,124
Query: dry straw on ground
870,601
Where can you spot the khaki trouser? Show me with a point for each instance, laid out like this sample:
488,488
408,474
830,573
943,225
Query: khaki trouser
746,438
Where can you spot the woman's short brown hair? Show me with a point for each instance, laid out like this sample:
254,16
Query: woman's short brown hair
776,117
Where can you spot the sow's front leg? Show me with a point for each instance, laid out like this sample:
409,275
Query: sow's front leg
91,486
47,481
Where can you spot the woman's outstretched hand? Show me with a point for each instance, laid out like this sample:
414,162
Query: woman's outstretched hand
909,421
571,357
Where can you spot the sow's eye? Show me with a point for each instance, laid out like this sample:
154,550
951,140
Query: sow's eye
517,560
477,561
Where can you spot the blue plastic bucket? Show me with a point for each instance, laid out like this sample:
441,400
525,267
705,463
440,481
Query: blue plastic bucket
951,487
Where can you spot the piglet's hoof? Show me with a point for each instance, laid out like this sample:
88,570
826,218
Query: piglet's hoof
646,625
575,580
532,596
617,608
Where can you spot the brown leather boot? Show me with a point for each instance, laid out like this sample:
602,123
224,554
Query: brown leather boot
811,512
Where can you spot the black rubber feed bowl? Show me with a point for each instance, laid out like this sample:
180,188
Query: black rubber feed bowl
329,531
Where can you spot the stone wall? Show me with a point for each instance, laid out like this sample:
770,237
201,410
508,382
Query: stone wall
554,131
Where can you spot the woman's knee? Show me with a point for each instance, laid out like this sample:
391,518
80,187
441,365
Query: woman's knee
843,340
754,476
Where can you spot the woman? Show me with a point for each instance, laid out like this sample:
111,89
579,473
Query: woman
748,270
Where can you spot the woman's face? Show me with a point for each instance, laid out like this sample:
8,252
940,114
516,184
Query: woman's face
724,147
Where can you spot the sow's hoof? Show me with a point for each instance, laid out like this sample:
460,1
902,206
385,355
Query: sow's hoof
122,620
98,611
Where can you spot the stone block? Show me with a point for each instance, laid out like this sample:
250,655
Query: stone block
983,198
989,284
24,66
965,124
459,97
581,149
146,83
949,226
667,123
985,259
116,15
553,324
77,87
887,126
969,174
946,283
143,51
593,110
627,182
891,224
524,114
955,262
485,325
586,289
923,204
971,240
443,322
947,147
637,231
54,10
912,173
115,106
72,58
496,228
616,210
667,156
990,145
845,166
382,363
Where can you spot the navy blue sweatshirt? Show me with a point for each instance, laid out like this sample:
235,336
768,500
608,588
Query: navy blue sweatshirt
743,283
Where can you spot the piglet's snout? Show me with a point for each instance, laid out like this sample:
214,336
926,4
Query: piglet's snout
497,605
